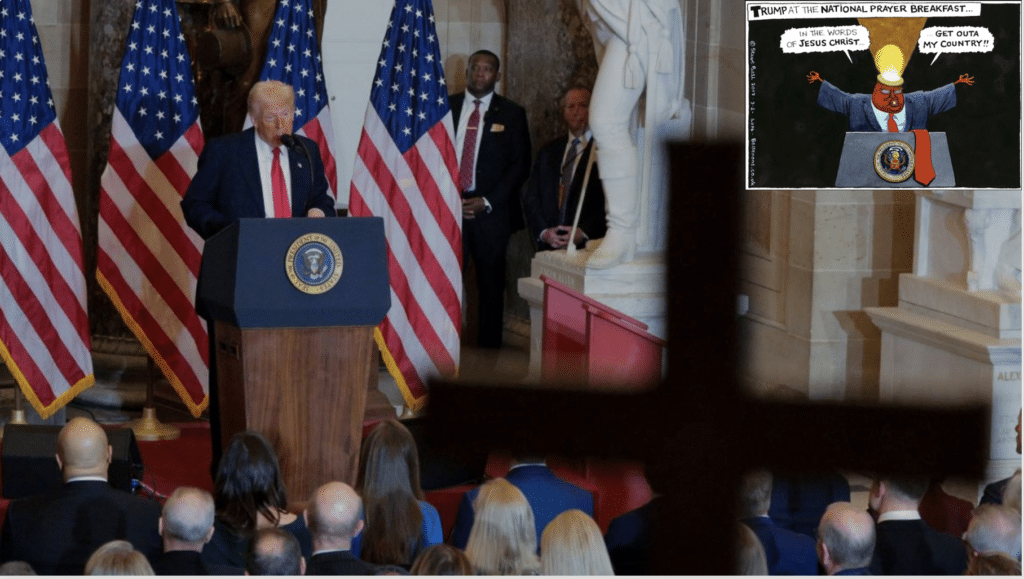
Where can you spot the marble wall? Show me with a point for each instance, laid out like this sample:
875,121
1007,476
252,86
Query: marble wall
813,261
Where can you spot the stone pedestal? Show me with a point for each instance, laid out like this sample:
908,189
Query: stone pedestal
945,344
636,289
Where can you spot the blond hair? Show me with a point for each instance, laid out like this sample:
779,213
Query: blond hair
117,558
269,89
503,540
572,544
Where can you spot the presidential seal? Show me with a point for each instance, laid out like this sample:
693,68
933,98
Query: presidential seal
313,263
894,161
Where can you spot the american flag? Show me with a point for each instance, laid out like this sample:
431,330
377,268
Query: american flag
293,57
148,259
406,172
44,330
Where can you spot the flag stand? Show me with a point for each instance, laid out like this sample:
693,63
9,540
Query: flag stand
17,413
149,427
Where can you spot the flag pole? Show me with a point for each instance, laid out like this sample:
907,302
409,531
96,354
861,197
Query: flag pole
149,427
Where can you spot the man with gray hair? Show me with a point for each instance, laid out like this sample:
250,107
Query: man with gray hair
186,524
994,528
846,540
333,518
905,544
787,552
274,551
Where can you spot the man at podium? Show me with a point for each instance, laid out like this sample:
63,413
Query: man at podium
263,171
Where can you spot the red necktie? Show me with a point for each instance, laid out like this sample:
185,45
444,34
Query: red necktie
892,124
924,172
282,206
469,149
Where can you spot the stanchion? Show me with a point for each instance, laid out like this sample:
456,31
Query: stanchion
149,427
17,414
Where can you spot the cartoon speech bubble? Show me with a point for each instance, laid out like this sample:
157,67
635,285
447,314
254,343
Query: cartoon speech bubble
939,39
825,39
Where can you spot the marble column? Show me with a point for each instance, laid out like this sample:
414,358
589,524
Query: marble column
955,338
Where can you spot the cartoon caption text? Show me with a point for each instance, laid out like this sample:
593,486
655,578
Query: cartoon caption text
825,39
938,39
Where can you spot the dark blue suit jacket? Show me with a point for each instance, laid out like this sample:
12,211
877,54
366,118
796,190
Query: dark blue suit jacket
547,494
798,502
227,185
788,553
919,105
540,198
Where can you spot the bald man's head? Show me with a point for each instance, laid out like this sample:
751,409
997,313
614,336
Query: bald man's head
186,522
333,515
846,538
82,449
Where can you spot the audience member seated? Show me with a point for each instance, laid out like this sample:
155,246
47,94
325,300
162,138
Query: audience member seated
572,545
249,495
993,494
117,558
333,520
1011,494
787,552
799,500
993,564
16,568
944,512
846,540
629,538
442,560
273,551
187,525
547,494
503,538
905,544
399,522
56,532
750,559
994,529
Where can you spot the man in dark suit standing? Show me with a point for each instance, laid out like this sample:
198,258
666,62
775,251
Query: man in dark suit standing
556,182
493,145
186,525
255,173
548,495
905,544
333,518
57,532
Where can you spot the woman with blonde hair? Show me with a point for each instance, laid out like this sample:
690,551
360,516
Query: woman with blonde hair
118,558
503,540
572,544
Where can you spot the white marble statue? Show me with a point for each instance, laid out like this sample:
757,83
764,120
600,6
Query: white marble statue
640,49
994,241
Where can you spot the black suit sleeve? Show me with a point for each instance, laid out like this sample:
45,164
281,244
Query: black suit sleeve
319,197
199,202
517,163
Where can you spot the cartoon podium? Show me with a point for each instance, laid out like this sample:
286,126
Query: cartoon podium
883,160
294,303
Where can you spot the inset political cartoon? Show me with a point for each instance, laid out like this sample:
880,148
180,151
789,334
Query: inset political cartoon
868,95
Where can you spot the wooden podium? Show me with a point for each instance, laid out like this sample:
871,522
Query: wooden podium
291,363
